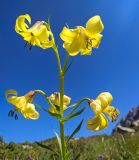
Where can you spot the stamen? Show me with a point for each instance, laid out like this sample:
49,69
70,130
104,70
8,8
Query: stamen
89,43
11,113
16,117
32,34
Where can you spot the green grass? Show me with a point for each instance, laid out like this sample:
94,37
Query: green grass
103,147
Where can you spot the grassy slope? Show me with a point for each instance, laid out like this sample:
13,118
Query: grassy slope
116,147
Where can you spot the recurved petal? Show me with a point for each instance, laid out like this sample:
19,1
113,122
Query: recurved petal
52,97
47,44
96,106
45,39
35,115
94,25
66,100
97,123
29,111
68,35
18,102
111,112
10,93
105,98
96,40
21,26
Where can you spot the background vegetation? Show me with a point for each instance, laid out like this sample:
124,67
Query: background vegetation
103,147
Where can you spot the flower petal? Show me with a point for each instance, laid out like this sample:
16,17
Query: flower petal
18,102
21,26
46,39
66,100
10,92
56,100
96,40
86,51
94,25
105,98
68,35
96,106
76,46
29,112
97,123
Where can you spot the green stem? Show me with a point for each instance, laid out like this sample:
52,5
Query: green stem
76,105
61,112
57,57
62,135
47,98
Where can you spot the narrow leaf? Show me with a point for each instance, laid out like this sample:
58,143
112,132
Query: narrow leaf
75,131
52,114
40,107
76,114
59,142
75,105
46,147
65,71
55,115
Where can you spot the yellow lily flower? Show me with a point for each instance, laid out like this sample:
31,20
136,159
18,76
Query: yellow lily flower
38,34
99,106
83,39
23,104
55,98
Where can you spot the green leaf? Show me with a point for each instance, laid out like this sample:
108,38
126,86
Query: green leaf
75,131
75,105
55,115
46,147
67,68
75,114
40,107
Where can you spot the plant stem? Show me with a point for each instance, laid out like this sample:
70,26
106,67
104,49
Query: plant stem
57,57
61,78
61,112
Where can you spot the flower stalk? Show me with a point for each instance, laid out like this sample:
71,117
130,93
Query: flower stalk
61,123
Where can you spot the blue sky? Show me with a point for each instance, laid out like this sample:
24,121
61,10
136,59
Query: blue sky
113,67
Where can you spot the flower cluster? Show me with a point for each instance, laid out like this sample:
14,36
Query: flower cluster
78,40
101,105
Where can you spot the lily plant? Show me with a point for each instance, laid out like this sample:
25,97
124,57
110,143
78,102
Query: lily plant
78,40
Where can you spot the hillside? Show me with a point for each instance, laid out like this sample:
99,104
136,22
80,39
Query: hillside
123,144
116,147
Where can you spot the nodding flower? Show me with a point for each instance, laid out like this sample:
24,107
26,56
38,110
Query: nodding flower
22,104
55,98
38,34
99,106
